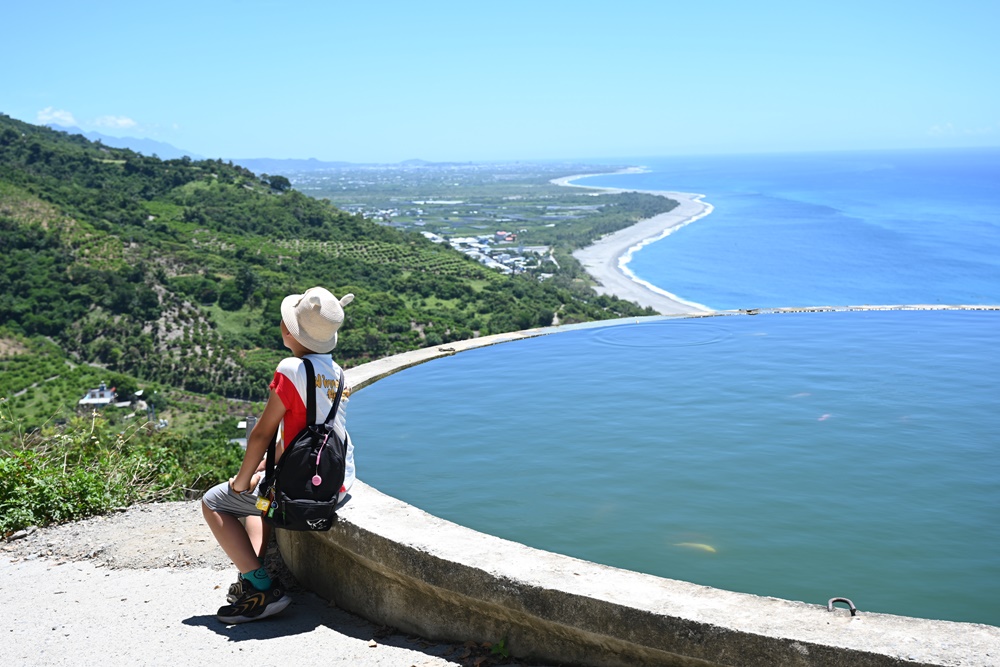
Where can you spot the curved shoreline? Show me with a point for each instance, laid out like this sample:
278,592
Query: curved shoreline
607,259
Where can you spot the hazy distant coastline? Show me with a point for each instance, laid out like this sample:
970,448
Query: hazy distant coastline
606,260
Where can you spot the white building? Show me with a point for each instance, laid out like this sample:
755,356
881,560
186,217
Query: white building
98,397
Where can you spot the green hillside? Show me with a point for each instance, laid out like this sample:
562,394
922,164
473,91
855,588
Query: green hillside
172,271
167,276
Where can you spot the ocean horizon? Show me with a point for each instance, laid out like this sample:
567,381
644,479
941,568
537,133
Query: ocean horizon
826,229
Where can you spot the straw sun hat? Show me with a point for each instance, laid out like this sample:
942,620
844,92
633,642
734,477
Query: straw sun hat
313,318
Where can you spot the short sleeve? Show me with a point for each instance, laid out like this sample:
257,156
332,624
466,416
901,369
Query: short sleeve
289,385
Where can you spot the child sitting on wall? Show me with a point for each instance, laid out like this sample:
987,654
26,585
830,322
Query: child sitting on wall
309,325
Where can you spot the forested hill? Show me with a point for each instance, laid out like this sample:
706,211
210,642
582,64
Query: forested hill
172,271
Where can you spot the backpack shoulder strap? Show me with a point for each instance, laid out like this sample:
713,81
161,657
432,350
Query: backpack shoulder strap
310,392
332,415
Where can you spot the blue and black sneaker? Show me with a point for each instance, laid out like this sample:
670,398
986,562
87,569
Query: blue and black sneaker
253,605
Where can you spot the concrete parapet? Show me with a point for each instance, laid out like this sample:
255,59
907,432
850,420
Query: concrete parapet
398,565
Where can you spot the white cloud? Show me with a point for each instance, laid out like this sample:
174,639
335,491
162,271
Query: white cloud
57,116
949,130
946,129
115,122
979,131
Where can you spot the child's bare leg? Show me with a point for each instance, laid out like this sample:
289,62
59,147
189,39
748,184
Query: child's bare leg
259,533
233,538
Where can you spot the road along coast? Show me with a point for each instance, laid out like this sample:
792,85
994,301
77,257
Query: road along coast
606,260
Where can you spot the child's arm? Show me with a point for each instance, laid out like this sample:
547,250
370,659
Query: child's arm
260,438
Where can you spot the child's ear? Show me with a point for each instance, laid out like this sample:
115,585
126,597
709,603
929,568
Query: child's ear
346,299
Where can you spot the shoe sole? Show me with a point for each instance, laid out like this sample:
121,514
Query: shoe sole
269,610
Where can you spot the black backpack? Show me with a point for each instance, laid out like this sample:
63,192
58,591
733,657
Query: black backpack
302,489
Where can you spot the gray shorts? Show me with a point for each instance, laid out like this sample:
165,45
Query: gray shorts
221,499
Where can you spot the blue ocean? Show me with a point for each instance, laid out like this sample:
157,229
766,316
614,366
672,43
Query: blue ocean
804,455
828,229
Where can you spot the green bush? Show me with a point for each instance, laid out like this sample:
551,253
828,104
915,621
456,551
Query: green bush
81,469
230,297
210,460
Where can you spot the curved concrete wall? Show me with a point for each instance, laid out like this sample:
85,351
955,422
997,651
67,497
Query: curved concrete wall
397,565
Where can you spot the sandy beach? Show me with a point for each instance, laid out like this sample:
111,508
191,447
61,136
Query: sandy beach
607,259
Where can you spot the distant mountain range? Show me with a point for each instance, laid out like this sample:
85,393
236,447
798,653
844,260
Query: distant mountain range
273,166
261,165
266,165
147,147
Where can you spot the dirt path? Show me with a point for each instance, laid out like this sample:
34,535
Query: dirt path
143,586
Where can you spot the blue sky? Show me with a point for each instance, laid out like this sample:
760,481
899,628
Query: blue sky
386,81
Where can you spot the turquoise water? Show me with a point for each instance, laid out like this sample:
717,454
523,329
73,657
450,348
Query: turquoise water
804,456
874,227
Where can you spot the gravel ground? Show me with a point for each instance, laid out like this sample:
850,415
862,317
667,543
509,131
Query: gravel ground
143,586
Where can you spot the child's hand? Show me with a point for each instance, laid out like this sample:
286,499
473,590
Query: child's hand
232,487
237,488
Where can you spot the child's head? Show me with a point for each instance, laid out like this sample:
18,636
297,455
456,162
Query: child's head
313,318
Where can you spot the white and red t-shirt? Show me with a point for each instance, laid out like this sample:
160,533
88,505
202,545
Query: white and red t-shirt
289,384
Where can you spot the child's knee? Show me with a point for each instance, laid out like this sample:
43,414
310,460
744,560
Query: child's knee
210,514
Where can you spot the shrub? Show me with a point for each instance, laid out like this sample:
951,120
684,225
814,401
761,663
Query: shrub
77,470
